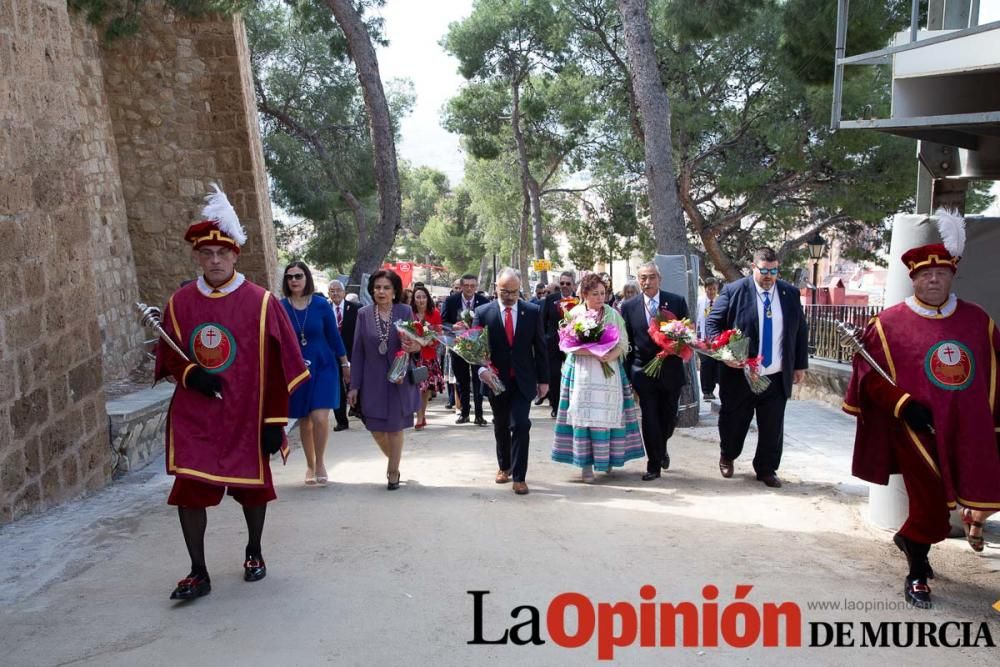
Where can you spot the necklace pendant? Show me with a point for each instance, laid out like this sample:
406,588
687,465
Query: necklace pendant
768,314
303,341
383,348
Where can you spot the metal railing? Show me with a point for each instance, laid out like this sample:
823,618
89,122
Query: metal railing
824,341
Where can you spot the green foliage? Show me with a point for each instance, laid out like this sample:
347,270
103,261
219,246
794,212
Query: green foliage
451,234
122,18
317,147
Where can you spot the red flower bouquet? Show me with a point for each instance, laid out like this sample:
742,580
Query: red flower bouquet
673,337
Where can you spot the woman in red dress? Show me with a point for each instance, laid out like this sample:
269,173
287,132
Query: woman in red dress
425,311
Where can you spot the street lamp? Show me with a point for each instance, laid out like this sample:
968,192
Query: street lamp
817,244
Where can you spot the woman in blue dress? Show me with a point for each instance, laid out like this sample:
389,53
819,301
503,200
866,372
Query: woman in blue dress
323,349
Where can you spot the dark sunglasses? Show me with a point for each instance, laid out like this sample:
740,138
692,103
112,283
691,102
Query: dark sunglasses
294,276
765,272
565,284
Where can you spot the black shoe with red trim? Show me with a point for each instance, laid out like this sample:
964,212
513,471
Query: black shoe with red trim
192,586
917,592
254,568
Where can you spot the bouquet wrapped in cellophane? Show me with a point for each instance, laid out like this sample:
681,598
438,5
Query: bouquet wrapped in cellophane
473,345
397,370
732,345
585,331
419,332
673,337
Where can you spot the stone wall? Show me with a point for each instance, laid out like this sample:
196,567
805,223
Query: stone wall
53,434
105,155
825,381
114,266
183,116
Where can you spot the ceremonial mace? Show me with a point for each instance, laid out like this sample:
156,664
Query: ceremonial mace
151,319
850,339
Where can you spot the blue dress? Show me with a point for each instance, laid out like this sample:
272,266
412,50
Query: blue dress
322,352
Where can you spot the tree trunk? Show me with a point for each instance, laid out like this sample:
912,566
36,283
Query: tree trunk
527,180
654,107
661,183
372,250
525,234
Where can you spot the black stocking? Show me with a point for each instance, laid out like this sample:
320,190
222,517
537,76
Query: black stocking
255,528
917,558
193,523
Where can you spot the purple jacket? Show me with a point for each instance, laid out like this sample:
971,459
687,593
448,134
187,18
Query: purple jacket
380,398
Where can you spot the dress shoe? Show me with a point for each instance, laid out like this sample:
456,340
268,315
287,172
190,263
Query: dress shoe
709,397
503,476
391,485
254,568
917,592
462,420
665,463
520,488
340,427
480,421
191,587
649,476
771,481
449,406
539,400
554,412
726,467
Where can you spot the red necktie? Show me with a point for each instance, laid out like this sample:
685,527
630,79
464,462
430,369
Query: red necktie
508,325
340,319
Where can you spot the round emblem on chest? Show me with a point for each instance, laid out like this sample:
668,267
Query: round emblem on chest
950,365
213,347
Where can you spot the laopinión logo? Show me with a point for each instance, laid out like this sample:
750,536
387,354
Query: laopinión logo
707,624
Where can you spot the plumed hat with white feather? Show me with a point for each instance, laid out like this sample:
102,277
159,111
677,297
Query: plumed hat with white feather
948,253
219,224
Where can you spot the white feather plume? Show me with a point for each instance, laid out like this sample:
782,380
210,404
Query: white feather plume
951,227
218,208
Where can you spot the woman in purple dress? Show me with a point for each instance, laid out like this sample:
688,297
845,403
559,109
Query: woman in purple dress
386,408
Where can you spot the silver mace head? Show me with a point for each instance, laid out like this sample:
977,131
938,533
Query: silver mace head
848,335
150,315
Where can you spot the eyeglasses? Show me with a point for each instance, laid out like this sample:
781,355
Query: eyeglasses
768,272
508,292
565,284
294,276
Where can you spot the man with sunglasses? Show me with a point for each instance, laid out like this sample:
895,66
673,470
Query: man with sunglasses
768,312
552,314
229,408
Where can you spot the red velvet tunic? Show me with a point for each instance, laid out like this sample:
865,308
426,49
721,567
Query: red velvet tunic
244,337
948,363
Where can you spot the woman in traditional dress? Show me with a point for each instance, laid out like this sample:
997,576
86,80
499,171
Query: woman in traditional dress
425,311
386,408
323,349
597,426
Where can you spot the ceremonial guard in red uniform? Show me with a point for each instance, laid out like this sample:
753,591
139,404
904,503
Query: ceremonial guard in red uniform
229,409
935,419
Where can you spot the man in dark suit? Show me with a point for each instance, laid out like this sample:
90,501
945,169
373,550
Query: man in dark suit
454,306
346,314
517,350
768,312
658,397
552,314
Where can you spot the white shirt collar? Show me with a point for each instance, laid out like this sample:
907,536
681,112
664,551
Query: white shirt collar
925,310
228,288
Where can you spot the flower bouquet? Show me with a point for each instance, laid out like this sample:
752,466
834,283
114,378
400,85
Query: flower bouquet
732,345
419,332
673,337
585,332
566,304
473,345
397,370
467,316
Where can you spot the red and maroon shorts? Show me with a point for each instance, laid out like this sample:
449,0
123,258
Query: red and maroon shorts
193,493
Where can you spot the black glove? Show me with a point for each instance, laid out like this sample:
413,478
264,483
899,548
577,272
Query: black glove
918,417
271,438
201,380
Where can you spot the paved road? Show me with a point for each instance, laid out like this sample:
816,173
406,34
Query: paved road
358,575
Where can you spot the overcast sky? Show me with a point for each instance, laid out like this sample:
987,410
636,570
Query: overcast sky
414,28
